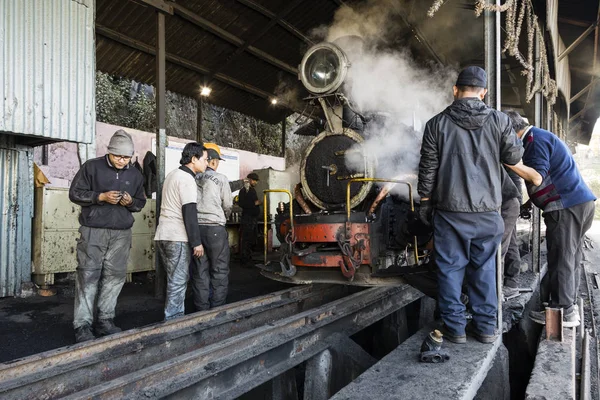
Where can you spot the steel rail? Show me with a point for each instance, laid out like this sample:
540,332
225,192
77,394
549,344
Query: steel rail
64,371
242,362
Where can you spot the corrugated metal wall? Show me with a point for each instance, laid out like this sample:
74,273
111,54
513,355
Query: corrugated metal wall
47,63
16,211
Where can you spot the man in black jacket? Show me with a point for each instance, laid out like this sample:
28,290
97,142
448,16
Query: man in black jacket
462,153
250,204
108,190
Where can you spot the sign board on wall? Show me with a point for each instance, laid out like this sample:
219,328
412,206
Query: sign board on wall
230,167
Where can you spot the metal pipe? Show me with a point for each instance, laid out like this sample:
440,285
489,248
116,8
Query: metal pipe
491,26
536,218
300,199
499,283
412,205
161,138
265,230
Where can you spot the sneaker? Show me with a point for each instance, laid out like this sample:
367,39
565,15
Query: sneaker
106,327
458,339
480,337
570,320
83,334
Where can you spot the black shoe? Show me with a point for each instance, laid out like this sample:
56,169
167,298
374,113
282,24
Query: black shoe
454,338
106,327
83,334
480,337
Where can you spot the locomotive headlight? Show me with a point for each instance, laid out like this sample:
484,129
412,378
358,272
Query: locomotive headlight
323,68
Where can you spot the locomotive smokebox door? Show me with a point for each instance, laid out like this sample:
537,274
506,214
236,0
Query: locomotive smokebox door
325,172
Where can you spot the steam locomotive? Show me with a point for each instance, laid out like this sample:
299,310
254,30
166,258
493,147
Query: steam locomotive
346,224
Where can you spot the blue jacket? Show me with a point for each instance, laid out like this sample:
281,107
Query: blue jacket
562,186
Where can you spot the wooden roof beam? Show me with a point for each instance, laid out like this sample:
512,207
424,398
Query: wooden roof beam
158,4
216,30
182,62
271,15
578,41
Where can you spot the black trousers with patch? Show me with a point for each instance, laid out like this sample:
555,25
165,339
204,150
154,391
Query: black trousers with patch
249,228
511,259
210,273
564,237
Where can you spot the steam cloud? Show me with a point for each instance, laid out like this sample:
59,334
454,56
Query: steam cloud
385,79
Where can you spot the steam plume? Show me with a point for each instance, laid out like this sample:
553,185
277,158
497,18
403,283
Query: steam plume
385,79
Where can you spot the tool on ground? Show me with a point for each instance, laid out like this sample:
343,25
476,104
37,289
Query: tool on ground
431,349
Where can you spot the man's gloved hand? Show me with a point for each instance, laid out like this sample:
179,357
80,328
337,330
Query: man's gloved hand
525,211
426,212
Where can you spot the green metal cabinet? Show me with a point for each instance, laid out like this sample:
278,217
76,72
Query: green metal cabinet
55,234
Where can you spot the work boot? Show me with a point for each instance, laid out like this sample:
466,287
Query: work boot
106,327
480,337
454,338
508,291
83,334
524,267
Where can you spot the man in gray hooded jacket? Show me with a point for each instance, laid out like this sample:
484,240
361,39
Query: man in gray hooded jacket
109,190
211,271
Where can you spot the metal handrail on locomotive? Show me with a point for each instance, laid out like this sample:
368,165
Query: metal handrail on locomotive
345,228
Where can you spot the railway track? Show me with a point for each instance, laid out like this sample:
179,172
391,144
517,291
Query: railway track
221,353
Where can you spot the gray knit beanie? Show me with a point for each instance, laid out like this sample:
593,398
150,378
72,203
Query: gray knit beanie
121,144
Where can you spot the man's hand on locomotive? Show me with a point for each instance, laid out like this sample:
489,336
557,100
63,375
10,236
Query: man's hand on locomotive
116,197
426,212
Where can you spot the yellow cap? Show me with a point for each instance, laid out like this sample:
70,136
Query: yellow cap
213,147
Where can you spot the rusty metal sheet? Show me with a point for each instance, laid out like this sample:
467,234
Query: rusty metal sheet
554,324
16,211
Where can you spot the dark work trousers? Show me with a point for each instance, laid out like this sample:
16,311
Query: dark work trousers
465,248
210,272
510,251
101,269
175,259
564,238
249,235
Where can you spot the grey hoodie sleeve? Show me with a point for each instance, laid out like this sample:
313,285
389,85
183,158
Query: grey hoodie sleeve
234,186
511,148
226,199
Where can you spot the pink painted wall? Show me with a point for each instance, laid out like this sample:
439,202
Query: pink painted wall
63,162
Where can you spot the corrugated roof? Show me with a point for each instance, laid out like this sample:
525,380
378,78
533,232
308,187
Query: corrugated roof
246,49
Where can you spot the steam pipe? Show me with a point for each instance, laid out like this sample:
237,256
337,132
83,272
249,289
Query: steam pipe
300,199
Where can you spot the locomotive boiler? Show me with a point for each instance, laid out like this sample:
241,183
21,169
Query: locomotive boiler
346,223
